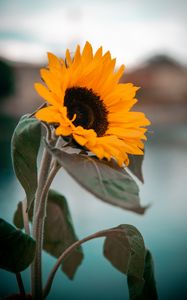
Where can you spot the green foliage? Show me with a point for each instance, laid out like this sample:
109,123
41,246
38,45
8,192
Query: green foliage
146,289
17,249
135,166
25,146
106,180
126,251
59,233
18,216
124,248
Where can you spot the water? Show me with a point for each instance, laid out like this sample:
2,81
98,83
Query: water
163,226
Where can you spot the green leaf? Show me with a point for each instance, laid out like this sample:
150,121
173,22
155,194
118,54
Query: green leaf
58,231
135,166
117,251
126,251
25,146
107,181
18,216
145,290
17,249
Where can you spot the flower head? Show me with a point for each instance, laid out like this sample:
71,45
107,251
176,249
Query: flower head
86,101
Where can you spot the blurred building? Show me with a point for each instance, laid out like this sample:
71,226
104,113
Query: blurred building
17,97
163,93
24,99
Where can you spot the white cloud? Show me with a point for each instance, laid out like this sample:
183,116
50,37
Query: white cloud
131,31
23,51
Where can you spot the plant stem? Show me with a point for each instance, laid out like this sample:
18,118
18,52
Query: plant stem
70,249
25,218
20,285
38,225
39,230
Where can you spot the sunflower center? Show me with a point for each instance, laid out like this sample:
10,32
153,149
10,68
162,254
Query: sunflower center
90,110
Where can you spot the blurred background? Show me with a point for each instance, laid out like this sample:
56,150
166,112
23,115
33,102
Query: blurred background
150,38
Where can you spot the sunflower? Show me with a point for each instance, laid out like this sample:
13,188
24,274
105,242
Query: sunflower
86,101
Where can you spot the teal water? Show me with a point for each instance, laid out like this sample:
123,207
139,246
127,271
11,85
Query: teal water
163,226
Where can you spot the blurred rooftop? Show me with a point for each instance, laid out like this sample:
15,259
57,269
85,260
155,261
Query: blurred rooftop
163,92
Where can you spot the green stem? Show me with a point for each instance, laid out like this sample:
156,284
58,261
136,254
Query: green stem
69,250
38,224
20,285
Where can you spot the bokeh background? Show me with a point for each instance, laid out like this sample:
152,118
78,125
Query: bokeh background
150,38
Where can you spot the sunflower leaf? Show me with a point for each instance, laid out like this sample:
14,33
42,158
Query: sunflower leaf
135,166
24,150
146,289
126,251
106,181
58,231
18,216
17,249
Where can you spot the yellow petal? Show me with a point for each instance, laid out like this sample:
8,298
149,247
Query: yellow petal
128,118
77,56
81,140
45,93
52,84
120,104
68,58
87,53
53,61
48,114
63,130
127,133
98,53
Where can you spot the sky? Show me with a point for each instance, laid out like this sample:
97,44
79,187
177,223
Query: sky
132,30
